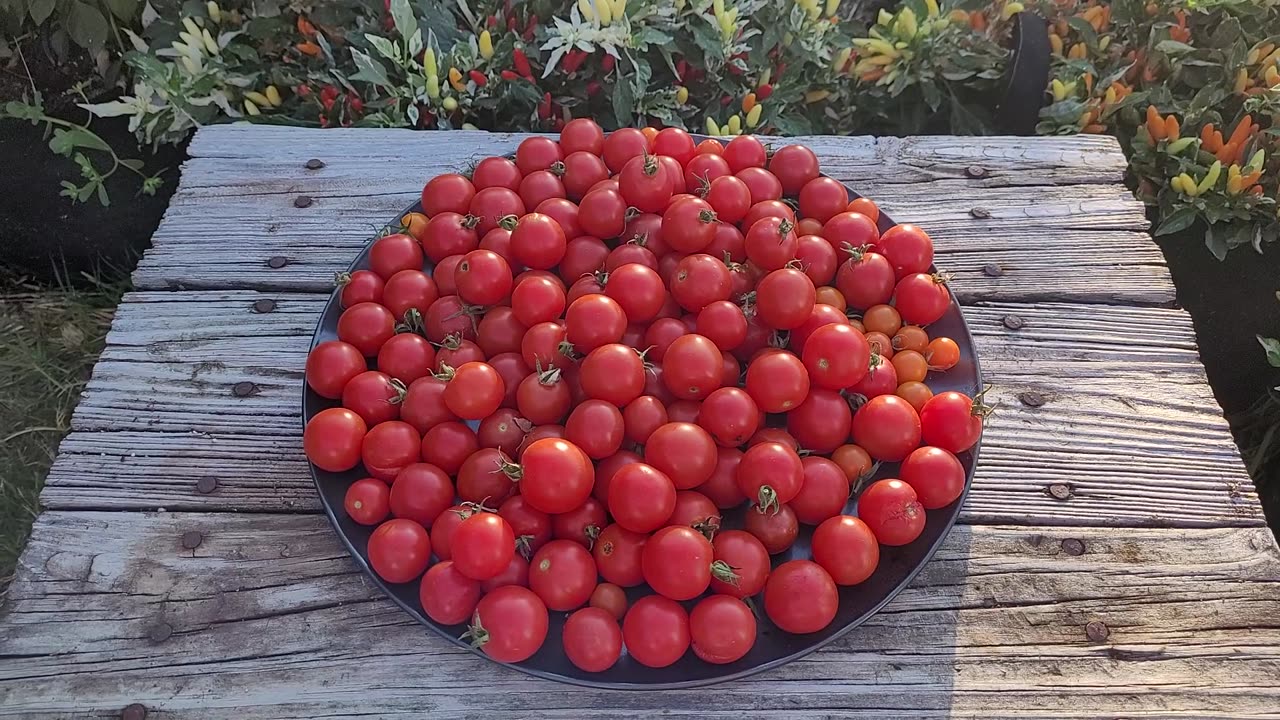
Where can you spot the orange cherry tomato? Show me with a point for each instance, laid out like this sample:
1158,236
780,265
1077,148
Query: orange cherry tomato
857,324
828,295
415,223
650,133
911,337
809,226
853,460
942,353
914,392
710,146
866,207
882,319
911,366
880,343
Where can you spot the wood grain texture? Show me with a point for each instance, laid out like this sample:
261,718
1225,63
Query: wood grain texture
269,618
1064,193
160,411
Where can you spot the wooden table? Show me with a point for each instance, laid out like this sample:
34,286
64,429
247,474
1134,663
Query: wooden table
1111,560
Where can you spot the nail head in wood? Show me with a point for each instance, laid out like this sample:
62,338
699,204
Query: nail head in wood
264,305
315,164
1013,322
206,484
277,262
980,212
1060,491
1031,398
1073,546
975,171
302,201
992,270
136,711
1096,631
160,632
191,539
244,389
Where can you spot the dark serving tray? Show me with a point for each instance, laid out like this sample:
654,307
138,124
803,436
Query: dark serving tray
898,565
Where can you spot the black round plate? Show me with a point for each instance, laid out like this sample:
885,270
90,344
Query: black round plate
773,647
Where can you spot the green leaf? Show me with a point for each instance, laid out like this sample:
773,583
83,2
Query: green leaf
1173,47
1086,30
402,16
650,35
624,101
86,26
964,121
1272,347
369,69
102,195
384,47
39,10
437,18
1216,243
132,163
65,140
123,9
1179,219
707,37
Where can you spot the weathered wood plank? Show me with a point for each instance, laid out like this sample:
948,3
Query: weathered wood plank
163,391
270,618
1032,232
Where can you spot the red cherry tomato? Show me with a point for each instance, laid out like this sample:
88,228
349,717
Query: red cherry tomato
743,552
701,171
770,474
610,598
769,209
823,493
509,624
449,192
642,416
644,184
785,298
399,550
745,151
474,391
406,357
794,165
888,428
641,498
613,373
637,289
482,481
582,134
387,448
360,286
849,231
596,427
908,248
762,184
448,596
421,492
800,597
821,423
656,631
594,320
688,224
367,501
777,531
699,280
950,421
483,277
532,527
836,356
366,326
822,198
777,381
537,187
447,444
482,546
921,299
676,562
729,197
676,143
556,475
623,144
730,416
692,367
817,259
722,486
890,508
563,574
684,452
537,153
846,548
935,474
331,365
582,170
865,279
390,254
771,243
617,553
332,439
592,639
722,629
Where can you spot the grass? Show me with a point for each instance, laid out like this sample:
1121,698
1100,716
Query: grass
52,336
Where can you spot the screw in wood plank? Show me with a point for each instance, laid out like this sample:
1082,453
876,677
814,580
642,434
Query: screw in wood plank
1073,546
303,201
160,632
980,213
1061,491
136,711
1031,398
975,171
1013,322
277,262
244,389
315,164
1096,631
264,305
191,539
992,270
206,484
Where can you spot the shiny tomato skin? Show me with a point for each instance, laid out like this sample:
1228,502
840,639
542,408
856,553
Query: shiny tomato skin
582,134
539,186
392,253
921,299
785,298
730,416
491,205
496,172
722,486
846,548
406,357
676,143
891,509
331,365
794,165
950,422
448,596
360,286
565,212
515,623
692,367
817,259
563,574
399,550
908,248
762,184
537,153
531,526
449,234
644,184
684,452
770,474
557,475
819,316
688,224
582,524
613,373
621,145
730,197
699,280
481,480
366,326
887,427
421,492
332,439
777,531
596,427
482,546
388,448
642,416
656,631
701,171
447,444
474,391
637,289
449,192
538,241
745,151
749,559
594,320
777,381
822,422
847,231
592,639
676,561
618,553
423,405
722,629
823,493
367,501
768,209
723,323
866,280
822,198
881,378
582,171
936,475
442,529
542,346
771,243
641,498
409,290
516,573
836,356
800,597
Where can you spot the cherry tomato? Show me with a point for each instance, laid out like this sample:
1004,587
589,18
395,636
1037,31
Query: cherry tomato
491,205
656,631
794,165
388,447
581,134
448,444
684,452
637,289
537,153
613,373
890,508
701,171
481,479
482,546
819,316
483,277
773,434
699,280
582,524
866,207
563,574
360,286
817,259
746,555
331,365
556,475
332,439
942,353
881,346
722,629
822,198
537,300
821,423
950,421
617,554
474,391
729,197
777,531
910,337
695,510
641,498
836,356
539,186
448,596
421,492
450,316
692,367
456,352
406,357
887,427
910,366
865,279
689,224
596,427
800,597
644,184
785,298
515,573
745,151
496,172
451,233
823,493
935,474
723,323
846,548
610,598
770,474
676,562
828,295
543,398
908,248
846,232
914,392
449,192
883,319
854,461
594,320
592,639
642,416
722,486
762,184
423,405
921,299
366,326
443,527
710,146
509,624
582,170
532,527
771,243
392,253
544,344
777,381
623,144
367,501
769,209
675,143
730,416
443,274
399,550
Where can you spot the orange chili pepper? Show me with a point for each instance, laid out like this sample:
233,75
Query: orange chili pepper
1094,129
1155,124
748,102
308,48
1230,153
1171,128
1211,139
305,27
1255,190
1088,83
977,20
649,132
872,75
1251,178
1243,128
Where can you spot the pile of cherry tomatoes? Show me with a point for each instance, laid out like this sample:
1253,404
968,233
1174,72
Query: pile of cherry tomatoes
626,345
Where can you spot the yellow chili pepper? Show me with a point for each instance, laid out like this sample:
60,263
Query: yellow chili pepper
1055,43
1105,42
1271,76
748,102
619,8
257,98
1179,145
449,104
429,67
605,11
1233,180
1242,80
1210,177
832,7
1188,184
433,86
884,18
753,117
1256,160
250,108
682,94
584,7
1059,89
841,59
877,46
215,12
455,79
191,26
931,7
1077,51
712,128
273,96
486,45
906,27
734,126
1011,9
814,96
209,43
1176,183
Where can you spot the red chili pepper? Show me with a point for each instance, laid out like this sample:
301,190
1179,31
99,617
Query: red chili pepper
357,105
492,21
530,28
608,63
324,121
572,61
328,94
511,24
302,91
777,72
544,106
478,78
593,87
724,101
558,124
682,67
509,75
763,92
521,61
